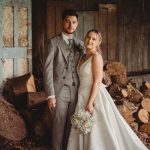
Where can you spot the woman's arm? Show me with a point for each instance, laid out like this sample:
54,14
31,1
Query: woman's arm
97,69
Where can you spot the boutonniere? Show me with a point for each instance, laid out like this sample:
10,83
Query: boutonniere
80,48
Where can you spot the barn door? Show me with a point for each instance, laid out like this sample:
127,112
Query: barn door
87,20
15,38
108,25
54,13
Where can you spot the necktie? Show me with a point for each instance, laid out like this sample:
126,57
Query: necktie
70,43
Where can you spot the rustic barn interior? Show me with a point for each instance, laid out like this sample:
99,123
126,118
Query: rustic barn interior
25,27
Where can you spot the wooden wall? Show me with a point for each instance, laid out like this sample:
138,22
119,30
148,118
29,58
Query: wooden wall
15,39
134,33
134,38
39,35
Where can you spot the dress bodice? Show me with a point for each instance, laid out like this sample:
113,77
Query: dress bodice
85,73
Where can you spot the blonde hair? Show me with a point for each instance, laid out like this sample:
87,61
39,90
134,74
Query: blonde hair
99,36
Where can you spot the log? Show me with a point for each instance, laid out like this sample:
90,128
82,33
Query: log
145,89
117,72
23,84
35,98
28,118
147,84
119,79
12,126
126,113
107,79
15,89
124,92
135,126
114,91
39,128
135,96
143,115
145,128
43,125
146,104
134,89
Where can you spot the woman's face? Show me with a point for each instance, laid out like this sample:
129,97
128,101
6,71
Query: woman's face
92,41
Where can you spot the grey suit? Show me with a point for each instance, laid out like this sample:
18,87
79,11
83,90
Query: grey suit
61,80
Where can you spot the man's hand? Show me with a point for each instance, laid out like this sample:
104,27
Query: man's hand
51,103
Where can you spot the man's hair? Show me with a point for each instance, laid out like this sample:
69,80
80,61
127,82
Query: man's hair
69,12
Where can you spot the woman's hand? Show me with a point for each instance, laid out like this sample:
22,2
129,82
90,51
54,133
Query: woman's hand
89,108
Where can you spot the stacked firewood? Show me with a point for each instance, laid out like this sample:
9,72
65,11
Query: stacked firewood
12,126
133,104
22,93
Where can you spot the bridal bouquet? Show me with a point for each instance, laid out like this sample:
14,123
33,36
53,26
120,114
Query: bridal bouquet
82,121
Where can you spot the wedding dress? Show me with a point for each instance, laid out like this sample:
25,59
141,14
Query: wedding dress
110,130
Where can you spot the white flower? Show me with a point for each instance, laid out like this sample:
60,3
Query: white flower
82,121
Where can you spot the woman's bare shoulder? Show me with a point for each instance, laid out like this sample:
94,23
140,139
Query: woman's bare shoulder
97,57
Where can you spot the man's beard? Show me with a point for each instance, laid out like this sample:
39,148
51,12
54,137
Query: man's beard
68,32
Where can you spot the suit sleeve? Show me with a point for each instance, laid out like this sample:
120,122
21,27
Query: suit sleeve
48,69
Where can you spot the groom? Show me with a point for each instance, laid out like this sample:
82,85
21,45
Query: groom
61,79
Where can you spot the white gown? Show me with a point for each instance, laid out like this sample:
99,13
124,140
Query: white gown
110,130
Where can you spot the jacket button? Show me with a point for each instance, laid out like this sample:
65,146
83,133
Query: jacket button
64,77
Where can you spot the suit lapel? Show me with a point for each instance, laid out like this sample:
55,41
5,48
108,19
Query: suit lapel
63,46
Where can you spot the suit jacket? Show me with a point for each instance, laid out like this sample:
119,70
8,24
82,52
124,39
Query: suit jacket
56,63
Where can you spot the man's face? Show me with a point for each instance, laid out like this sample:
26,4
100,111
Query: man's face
70,24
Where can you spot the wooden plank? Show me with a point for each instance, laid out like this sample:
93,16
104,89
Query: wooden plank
79,32
23,27
15,66
59,3
29,24
133,35
1,74
29,59
16,26
138,33
122,52
96,21
7,69
108,23
90,5
129,36
7,27
1,60
13,52
58,12
103,26
22,66
79,4
51,28
113,34
11,3
1,14
145,39
87,20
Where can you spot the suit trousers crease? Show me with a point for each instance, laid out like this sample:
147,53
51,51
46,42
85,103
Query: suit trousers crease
65,106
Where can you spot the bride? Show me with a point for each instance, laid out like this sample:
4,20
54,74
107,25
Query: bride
110,131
